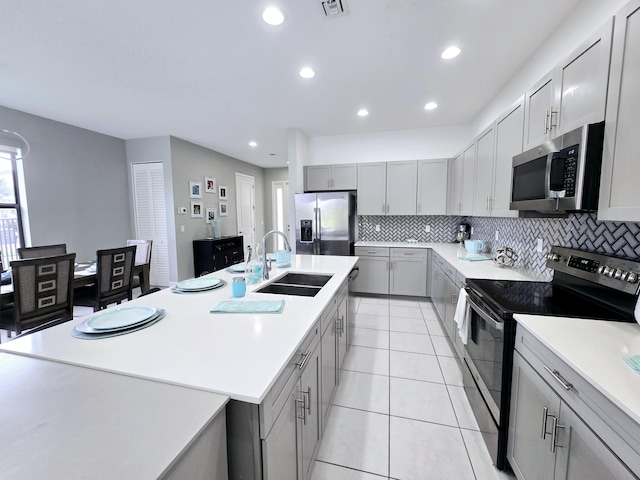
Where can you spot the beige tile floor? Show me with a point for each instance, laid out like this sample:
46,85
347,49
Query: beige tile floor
400,411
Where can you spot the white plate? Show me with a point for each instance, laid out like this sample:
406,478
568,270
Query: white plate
200,283
238,267
119,318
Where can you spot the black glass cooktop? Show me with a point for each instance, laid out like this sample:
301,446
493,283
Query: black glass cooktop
506,297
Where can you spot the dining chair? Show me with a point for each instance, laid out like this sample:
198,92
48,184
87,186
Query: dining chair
143,257
42,293
114,279
42,251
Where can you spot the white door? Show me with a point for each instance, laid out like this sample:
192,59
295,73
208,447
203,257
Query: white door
151,217
245,208
280,202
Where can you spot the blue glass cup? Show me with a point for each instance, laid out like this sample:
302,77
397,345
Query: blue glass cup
238,287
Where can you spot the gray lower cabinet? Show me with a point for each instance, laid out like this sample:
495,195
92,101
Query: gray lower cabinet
289,449
329,356
408,271
445,289
548,440
374,270
342,340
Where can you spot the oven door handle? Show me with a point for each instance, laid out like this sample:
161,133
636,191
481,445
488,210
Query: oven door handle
491,321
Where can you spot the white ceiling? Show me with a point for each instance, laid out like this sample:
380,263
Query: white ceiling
213,73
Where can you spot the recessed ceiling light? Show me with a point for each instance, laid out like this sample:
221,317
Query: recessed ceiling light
273,16
307,72
363,112
253,144
431,106
451,52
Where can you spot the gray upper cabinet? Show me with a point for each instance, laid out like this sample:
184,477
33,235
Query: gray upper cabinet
330,177
572,94
468,182
387,188
483,192
619,199
401,188
455,185
538,120
509,132
372,185
432,187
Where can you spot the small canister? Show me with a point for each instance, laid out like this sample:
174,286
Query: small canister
238,287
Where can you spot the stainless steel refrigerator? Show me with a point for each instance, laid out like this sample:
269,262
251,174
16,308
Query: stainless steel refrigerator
325,223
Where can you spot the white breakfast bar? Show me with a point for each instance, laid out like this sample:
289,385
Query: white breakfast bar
250,358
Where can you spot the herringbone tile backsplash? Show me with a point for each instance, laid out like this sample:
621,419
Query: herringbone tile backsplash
580,231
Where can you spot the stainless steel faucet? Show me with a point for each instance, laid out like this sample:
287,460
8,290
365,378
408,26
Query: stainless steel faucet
265,270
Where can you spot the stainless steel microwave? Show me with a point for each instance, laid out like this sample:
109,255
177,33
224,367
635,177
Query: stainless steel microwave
561,175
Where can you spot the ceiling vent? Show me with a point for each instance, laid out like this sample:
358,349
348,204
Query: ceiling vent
333,8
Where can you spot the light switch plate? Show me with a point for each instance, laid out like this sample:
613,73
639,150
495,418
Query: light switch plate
427,228
377,228
539,245
182,210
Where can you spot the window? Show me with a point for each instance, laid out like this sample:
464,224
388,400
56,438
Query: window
11,233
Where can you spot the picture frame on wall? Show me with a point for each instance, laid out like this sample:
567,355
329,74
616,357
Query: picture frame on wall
195,189
212,214
222,209
210,185
223,192
197,210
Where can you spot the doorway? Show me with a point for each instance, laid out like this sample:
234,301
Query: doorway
150,213
280,212
245,208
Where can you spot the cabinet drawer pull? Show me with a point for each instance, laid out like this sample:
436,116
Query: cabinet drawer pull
372,251
556,374
303,361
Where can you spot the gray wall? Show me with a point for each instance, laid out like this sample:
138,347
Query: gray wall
76,184
272,175
193,162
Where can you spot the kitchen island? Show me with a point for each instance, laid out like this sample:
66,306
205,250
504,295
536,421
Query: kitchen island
250,358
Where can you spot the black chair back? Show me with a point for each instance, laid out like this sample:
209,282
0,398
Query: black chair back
42,290
114,275
42,251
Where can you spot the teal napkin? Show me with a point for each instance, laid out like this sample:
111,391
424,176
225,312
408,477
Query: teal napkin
248,306
633,362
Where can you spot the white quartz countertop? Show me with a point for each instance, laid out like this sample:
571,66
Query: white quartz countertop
594,349
451,252
239,355
59,421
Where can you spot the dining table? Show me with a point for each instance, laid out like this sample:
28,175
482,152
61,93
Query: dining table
84,274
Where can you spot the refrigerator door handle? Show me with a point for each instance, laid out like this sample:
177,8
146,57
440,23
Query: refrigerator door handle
316,230
319,231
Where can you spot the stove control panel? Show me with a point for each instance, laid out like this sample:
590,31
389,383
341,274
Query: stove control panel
619,273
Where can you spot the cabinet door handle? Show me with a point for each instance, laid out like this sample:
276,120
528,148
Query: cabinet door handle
300,403
554,435
556,374
546,120
307,399
545,415
303,361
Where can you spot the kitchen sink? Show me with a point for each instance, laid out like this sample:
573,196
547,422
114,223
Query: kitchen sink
299,284
307,279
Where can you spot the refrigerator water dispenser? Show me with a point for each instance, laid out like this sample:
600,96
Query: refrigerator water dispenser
306,231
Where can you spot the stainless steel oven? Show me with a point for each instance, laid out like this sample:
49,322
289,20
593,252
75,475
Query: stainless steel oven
488,351
585,285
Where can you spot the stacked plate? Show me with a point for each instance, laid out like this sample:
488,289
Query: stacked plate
119,321
237,268
200,284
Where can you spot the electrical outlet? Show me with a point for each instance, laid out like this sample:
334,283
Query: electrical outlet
471,231
182,210
497,235
427,229
377,228
182,228
539,245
